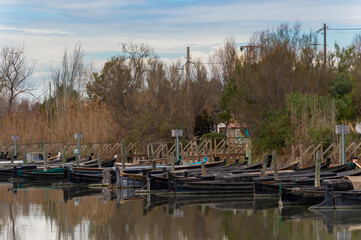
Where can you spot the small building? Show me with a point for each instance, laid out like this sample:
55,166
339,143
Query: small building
233,130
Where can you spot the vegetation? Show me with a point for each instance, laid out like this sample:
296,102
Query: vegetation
279,86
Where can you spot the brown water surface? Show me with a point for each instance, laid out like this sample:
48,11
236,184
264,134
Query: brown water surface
35,212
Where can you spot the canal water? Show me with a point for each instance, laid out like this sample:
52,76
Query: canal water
40,212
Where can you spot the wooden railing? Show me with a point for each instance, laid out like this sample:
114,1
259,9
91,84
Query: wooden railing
137,151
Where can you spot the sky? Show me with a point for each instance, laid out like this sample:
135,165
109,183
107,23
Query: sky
47,27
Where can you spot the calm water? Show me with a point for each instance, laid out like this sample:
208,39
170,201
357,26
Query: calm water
34,212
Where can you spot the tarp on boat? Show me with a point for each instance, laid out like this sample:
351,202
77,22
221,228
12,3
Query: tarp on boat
356,182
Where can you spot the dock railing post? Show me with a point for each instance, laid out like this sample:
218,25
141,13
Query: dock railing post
172,162
264,165
118,178
318,168
275,168
63,157
203,167
249,151
77,159
124,154
25,160
45,159
154,164
99,161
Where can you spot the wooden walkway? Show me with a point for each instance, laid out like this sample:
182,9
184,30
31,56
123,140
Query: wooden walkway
190,151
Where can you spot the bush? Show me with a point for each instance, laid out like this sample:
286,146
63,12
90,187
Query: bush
214,135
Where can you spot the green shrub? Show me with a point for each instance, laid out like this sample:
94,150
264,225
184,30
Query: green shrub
214,135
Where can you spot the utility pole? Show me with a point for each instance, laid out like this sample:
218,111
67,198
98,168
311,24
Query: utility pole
324,46
188,66
49,102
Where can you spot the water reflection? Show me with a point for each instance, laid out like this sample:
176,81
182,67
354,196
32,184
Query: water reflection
29,212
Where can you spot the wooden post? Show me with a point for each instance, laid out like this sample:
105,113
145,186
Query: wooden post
275,169
63,157
124,154
172,162
118,178
106,177
154,164
77,160
318,168
215,147
99,161
45,160
293,153
203,167
25,160
264,165
301,160
249,151
12,158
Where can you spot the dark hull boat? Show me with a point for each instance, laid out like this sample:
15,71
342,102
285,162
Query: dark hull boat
341,198
89,176
313,195
190,167
51,175
104,163
6,173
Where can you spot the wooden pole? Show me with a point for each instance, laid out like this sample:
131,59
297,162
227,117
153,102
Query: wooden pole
301,160
63,157
249,151
172,162
318,168
275,169
154,164
77,159
293,153
25,160
264,165
124,154
99,161
203,167
45,160
118,178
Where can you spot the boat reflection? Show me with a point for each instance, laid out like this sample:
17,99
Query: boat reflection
349,219
220,202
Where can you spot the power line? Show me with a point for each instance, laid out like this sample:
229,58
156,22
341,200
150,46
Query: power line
345,29
311,34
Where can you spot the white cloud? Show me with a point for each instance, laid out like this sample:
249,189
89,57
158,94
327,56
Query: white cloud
101,24
34,31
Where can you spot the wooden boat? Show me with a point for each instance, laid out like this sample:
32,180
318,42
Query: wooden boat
324,166
51,175
80,175
291,166
342,198
94,163
137,170
6,173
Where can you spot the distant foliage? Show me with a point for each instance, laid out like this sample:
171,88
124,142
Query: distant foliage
214,135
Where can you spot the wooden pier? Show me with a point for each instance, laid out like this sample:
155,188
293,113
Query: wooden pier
190,151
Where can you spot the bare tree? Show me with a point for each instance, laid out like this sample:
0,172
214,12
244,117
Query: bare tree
14,74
